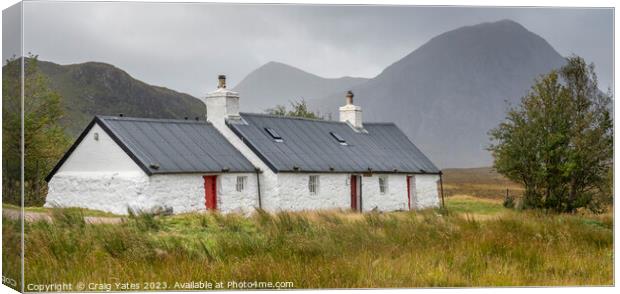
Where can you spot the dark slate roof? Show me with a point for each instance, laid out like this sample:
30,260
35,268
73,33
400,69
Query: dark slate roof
170,146
308,146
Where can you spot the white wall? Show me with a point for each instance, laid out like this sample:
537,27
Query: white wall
112,192
426,191
116,192
334,192
102,155
294,194
186,193
97,175
395,198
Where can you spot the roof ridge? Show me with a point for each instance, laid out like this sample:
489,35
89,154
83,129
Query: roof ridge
311,119
381,123
150,119
289,117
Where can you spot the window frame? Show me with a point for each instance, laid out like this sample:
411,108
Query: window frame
339,138
383,184
241,183
313,184
274,135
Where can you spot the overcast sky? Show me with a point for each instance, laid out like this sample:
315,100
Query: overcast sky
184,46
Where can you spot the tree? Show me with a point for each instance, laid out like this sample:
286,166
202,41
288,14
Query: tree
298,109
44,139
559,141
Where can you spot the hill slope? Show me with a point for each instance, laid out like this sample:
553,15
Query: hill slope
94,88
278,84
448,93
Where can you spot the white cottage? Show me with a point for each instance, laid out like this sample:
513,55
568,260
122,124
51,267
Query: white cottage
242,161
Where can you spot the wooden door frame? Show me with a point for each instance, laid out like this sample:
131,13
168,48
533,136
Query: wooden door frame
411,189
358,190
214,177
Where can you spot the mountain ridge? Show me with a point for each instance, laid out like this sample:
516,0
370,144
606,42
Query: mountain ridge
261,88
97,88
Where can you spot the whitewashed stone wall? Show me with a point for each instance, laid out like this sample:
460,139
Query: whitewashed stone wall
395,198
117,193
294,194
426,191
99,155
186,193
97,175
112,192
334,193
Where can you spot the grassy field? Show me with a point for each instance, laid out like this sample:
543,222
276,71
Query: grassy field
473,242
481,182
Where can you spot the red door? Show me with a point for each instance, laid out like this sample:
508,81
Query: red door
409,190
354,193
210,192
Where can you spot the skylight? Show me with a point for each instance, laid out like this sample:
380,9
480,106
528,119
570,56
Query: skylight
339,139
274,134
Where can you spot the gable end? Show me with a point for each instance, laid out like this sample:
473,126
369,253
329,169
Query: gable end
81,137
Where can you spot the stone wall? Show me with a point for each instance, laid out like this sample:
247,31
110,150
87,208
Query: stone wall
111,192
427,191
395,197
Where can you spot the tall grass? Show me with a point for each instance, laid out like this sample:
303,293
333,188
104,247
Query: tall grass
11,253
326,249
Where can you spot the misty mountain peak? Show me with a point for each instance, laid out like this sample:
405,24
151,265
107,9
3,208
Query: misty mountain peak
447,94
277,65
276,83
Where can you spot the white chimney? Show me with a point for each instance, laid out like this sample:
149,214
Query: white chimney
351,113
222,104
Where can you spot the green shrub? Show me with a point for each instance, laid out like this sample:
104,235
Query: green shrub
509,201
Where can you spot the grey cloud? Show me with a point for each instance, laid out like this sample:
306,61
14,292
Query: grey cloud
11,31
184,46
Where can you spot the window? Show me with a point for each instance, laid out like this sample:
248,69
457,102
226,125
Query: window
241,180
96,136
313,184
274,134
383,184
339,139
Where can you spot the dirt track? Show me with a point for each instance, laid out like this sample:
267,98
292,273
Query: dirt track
35,216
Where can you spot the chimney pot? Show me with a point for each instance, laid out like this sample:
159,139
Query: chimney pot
222,82
349,97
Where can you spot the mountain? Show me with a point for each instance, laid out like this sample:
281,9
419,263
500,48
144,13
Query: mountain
447,94
94,88
279,84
